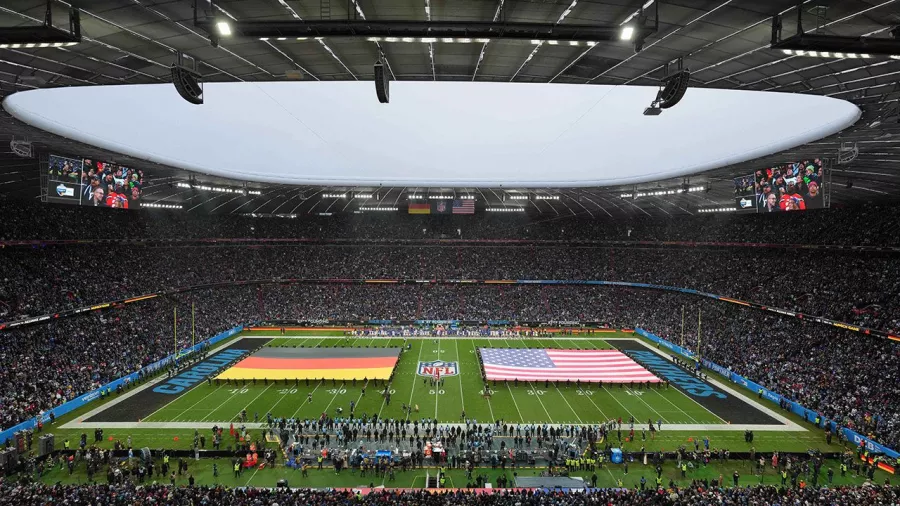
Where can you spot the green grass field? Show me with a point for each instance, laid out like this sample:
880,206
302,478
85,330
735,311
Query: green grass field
527,402
204,405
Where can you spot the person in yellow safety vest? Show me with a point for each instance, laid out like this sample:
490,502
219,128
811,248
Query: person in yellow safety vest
843,469
683,469
237,469
619,483
658,482
319,459
165,459
601,460
66,444
783,477
443,481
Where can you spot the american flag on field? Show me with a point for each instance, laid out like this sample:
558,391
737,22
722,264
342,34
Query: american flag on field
464,206
525,364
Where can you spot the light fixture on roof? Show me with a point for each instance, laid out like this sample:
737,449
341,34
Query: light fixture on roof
43,36
627,33
830,46
224,28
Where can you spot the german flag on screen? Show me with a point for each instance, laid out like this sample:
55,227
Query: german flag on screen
316,363
420,208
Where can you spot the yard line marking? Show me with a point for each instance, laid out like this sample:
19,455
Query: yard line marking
617,400
596,406
485,385
437,387
257,397
304,402
540,401
251,476
337,388
387,386
567,403
415,381
676,406
176,417
462,396
522,418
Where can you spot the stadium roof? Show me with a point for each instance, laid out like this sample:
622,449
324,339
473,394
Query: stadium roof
724,43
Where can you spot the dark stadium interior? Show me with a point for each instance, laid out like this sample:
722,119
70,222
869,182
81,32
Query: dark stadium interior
798,311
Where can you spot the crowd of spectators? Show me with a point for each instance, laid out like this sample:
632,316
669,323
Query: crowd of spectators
109,495
866,225
857,288
47,364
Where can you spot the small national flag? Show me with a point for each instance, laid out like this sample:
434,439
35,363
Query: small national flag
420,208
524,364
464,206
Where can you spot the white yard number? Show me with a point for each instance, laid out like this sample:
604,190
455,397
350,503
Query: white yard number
238,391
585,392
336,391
436,392
438,351
391,391
285,391
632,392
536,392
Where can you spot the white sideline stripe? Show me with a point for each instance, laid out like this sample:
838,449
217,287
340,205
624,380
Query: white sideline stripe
74,424
765,409
711,427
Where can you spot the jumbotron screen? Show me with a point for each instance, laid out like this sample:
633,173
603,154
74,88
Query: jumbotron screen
790,187
87,182
793,186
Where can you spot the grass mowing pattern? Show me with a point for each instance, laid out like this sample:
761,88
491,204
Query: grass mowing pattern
529,403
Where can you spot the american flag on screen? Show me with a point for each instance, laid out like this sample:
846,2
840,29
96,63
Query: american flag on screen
464,206
525,364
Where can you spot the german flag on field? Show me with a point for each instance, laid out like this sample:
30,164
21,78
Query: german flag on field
316,363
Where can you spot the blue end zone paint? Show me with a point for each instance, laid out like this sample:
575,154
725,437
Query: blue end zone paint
731,408
142,404
199,372
675,375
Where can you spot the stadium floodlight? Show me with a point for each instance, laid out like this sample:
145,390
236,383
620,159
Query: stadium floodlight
224,28
627,33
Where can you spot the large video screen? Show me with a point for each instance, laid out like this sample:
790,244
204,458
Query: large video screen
93,183
790,187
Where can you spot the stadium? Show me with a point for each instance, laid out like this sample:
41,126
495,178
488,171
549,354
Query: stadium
494,252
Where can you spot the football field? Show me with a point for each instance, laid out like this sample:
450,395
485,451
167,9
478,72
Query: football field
527,402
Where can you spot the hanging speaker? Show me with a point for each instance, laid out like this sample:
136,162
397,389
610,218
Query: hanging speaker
673,90
382,83
187,84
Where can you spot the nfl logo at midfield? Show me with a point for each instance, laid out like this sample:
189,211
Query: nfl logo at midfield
437,368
